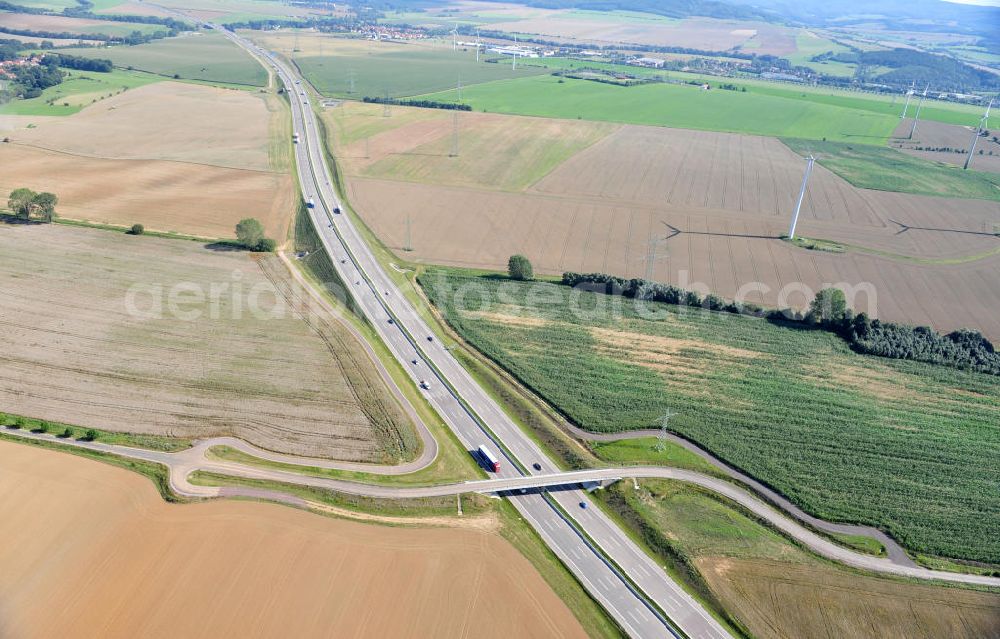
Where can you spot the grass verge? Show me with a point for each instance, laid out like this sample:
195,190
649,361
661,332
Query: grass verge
446,506
67,431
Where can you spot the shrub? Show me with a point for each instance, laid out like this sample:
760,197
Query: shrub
90,435
519,268
137,229
66,434
265,245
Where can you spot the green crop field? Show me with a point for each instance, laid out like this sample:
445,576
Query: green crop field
402,70
775,589
680,106
885,169
909,447
78,90
207,56
808,44
634,108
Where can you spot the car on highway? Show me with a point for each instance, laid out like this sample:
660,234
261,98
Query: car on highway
536,466
336,209
423,385
392,321
583,505
430,338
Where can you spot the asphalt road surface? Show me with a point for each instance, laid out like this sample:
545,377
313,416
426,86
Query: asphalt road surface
646,602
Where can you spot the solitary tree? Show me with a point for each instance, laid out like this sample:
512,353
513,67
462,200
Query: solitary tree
519,268
45,203
137,229
22,202
829,305
249,232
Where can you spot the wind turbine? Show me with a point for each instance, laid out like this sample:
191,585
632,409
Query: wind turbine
909,92
802,194
983,121
916,116
454,38
477,44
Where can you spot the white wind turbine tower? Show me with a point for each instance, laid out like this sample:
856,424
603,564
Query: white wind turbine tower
454,38
477,44
802,194
983,122
909,93
916,116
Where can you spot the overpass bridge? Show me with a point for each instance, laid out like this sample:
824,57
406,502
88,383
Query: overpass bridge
588,479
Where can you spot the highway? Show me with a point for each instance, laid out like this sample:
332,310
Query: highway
634,590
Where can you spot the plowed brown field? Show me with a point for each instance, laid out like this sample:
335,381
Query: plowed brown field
79,348
167,196
713,203
92,551
939,135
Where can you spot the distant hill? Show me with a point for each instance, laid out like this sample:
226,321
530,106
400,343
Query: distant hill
935,16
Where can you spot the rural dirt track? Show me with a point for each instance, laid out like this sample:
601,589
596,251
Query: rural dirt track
273,381
122,563
714,204
183,463
893,550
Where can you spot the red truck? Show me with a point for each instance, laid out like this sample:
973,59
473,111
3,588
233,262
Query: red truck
491,462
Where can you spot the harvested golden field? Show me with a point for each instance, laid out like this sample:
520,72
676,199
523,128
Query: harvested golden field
57,24
714,204
417,145
783,600
91,317
938,135
59,42
94,552
168,196
193,123
171,156
138,8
